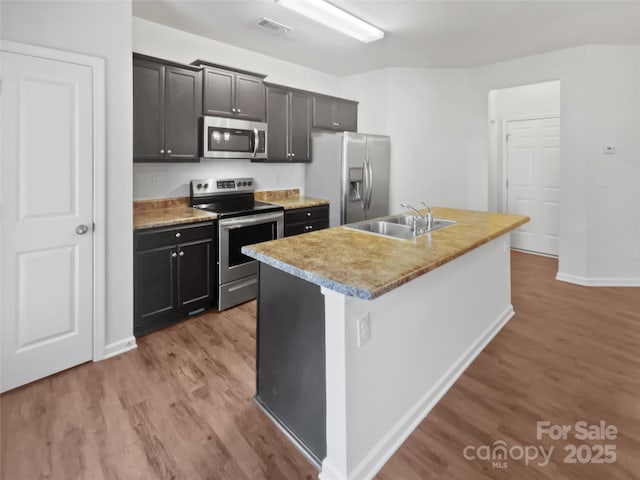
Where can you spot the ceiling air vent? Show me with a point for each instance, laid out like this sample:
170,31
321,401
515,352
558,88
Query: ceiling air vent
273,26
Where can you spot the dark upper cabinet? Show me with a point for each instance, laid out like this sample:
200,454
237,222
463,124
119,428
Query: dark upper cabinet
174,274
183,103
289,119
300,127
167,103
278,121
249,97
148,111
346,116
228,93
218,92
335,114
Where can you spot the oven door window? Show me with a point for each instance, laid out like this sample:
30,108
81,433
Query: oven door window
239,237
229,140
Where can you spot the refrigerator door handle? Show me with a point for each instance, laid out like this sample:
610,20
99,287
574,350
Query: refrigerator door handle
365,185
369,183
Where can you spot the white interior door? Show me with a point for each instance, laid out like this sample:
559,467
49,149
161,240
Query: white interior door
533,185
47,202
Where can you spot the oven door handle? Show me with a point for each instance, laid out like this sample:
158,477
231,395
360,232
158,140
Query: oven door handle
256,142
232,223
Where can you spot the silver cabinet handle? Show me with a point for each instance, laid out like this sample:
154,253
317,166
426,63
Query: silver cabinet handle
233,110
308,214
238,110
174,255
182,253
169,152
293,154
162,151
178,234
82,229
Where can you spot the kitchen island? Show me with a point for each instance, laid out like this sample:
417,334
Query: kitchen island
360,335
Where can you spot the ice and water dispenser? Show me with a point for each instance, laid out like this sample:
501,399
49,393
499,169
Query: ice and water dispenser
355,184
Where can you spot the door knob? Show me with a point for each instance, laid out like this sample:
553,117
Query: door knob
82,229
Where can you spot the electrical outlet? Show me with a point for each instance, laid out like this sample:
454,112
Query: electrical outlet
364,330
155,182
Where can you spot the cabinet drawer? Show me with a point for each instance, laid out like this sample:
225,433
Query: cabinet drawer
300,215
160,237
298,228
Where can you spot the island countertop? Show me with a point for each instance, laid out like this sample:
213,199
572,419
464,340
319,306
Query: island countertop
364,265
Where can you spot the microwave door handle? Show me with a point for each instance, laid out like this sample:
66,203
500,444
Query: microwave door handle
256,142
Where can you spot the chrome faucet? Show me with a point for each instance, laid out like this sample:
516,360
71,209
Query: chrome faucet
428,218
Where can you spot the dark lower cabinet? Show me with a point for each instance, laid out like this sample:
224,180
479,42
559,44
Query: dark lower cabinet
305,220
174,274
290,377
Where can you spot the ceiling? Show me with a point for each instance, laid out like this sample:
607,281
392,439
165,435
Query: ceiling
419,33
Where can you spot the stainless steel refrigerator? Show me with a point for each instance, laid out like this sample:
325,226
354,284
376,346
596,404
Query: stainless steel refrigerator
351,170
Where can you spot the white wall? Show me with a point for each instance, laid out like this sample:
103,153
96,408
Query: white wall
101,29
510,103
425,113
600,104
159,180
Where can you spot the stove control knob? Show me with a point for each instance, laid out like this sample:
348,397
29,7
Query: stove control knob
206,185
250,183
199,186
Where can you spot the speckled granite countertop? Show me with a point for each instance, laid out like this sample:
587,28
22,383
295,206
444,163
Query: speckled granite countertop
366,266
166,212
289,199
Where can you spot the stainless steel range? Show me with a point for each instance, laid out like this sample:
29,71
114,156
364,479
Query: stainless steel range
241,221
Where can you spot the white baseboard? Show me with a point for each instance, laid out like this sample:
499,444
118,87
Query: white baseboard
387,446
121,346
599,281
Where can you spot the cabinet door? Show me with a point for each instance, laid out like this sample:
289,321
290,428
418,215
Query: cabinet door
183,107
218,92
300,127
195,278
278,138
155,288
148,111
323,113
345,114
249,98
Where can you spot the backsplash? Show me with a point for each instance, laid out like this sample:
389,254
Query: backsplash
156,180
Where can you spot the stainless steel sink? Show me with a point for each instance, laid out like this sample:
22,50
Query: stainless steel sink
402,232
400,226
409,220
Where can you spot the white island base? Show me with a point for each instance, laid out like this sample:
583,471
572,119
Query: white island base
424,334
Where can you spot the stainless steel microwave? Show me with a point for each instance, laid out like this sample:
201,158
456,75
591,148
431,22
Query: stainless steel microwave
233,138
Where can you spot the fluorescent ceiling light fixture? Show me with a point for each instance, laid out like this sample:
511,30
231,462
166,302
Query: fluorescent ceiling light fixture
334,17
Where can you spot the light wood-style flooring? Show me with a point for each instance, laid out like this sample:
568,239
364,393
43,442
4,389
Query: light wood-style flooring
179,406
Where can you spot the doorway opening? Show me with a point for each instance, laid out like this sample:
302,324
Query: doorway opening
524,177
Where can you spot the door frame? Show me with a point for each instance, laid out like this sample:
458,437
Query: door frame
99,176
504,146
